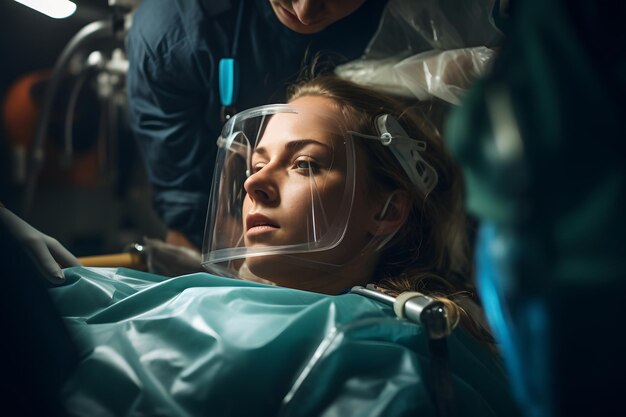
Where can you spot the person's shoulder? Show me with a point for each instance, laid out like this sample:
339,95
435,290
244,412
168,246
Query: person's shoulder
156,21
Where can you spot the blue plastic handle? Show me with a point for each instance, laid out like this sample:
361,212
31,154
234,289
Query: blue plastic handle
229,81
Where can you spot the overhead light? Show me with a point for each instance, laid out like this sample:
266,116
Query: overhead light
58,9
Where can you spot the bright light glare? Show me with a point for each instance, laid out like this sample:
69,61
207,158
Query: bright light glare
58,9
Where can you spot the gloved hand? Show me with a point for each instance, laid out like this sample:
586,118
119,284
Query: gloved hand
46,251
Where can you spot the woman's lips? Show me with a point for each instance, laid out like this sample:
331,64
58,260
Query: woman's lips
257,224
260,230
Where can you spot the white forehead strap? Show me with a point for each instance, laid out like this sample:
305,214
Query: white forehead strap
406,150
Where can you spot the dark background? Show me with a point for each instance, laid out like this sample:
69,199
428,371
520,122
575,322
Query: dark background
99,201
31,40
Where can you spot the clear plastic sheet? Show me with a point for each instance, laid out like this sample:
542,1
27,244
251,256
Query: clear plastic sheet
442,74
428,49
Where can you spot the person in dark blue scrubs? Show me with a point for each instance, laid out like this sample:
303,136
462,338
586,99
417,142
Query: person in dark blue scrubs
175,49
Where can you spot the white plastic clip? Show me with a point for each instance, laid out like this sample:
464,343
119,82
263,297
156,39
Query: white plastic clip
406,150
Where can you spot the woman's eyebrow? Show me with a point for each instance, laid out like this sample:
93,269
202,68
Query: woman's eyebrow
259,151
295,145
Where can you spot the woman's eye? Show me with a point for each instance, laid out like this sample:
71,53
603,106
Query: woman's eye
306,165
257,167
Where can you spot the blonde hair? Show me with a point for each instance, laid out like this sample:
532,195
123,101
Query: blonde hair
429,253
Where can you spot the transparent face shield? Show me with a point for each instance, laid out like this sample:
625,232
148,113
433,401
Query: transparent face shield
284,184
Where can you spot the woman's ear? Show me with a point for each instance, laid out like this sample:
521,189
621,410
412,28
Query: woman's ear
392,214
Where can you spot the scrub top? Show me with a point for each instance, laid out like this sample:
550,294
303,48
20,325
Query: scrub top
205,345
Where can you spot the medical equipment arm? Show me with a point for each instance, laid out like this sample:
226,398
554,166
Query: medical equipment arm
433,316
47,252
95,31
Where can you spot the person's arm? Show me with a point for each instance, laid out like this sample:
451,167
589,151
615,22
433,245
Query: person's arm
169,86
47,252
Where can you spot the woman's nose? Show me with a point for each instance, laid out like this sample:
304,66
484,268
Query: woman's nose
261,187
308,11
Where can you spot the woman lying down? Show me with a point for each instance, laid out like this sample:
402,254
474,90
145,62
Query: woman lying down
342,187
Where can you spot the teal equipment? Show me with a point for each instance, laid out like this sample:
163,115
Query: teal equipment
541,143
205,345
228,76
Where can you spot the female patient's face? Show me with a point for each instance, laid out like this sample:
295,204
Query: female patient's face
297,169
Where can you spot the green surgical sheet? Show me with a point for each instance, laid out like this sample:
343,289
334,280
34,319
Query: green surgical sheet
202,345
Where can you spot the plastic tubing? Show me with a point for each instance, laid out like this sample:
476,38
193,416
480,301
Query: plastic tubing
100,29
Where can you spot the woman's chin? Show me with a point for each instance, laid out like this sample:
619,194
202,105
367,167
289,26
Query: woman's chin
247,275
271,267
289,271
